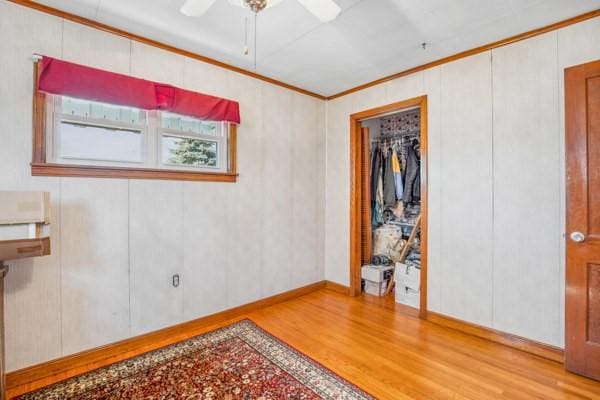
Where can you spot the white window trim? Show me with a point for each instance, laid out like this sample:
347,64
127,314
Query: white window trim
151,147
221,141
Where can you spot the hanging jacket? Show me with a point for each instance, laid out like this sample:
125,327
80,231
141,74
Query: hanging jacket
377,211
397,175
412,173
375,168
417,185
389,184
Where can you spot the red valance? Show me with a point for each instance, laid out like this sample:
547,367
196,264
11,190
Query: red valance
74,80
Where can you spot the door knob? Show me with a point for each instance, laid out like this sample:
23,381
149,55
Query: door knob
577,237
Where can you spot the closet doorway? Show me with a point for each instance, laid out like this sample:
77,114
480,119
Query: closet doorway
401,136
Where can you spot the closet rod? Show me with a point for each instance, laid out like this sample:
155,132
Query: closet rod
396,137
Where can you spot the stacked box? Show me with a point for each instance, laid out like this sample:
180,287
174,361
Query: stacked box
376,278
408,285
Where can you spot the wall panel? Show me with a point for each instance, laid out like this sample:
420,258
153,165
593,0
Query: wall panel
406,88
91,47
322,185
466,188
305,235
278,202
368,98
32,286
95,262
156,64
206,240
156,254
246,203
337,191
435,279
527,234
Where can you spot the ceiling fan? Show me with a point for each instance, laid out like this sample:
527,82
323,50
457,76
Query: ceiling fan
324,10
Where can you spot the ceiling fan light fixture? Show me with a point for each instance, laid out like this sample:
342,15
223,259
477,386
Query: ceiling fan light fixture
255,5
323,10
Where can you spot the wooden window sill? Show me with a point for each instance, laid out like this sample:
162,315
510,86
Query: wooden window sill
95,171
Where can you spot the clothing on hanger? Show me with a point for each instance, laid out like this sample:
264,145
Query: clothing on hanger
375,167
389,185
412,173
377,218
397,175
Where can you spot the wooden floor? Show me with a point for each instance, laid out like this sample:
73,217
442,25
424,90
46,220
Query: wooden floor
394,355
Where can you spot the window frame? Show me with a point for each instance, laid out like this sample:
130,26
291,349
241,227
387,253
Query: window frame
54,135
40,167
221,140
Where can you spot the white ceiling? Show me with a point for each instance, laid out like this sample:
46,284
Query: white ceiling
369,40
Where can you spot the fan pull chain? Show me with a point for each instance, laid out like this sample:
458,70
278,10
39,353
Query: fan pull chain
246,35
255,39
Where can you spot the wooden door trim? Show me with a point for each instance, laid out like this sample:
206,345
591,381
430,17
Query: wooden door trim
356,149
366,241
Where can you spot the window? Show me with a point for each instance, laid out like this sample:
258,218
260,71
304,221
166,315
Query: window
187,142
81,137
86,132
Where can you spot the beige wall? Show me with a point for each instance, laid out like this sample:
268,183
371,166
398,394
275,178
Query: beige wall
496,180
116,243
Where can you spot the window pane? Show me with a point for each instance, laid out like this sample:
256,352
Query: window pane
190,124
99,143
92,109
189,152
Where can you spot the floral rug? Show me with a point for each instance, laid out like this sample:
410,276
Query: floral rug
240,361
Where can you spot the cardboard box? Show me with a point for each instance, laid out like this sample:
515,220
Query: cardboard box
375,288
408,297
408,285
24,207
23,231
408,276
24,224
15,249
376,273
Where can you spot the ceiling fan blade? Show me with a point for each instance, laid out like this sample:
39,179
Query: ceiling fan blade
324,10
196,8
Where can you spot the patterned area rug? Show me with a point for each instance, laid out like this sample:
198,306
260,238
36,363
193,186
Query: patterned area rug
240,361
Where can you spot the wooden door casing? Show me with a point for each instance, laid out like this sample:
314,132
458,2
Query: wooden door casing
360,218
582,109
366,232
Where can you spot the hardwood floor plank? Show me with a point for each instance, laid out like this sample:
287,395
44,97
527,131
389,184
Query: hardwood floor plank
392,354
502,371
